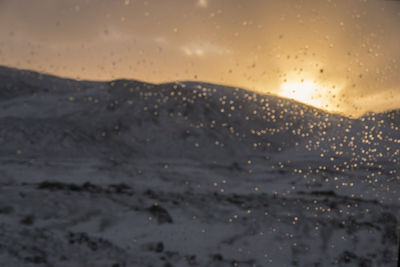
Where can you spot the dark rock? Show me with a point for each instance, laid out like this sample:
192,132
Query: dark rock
217,257
28,220
159,247
161,214
6,210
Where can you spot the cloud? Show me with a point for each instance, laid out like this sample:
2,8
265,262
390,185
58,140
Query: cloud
202,3
161,40
204,48
113,33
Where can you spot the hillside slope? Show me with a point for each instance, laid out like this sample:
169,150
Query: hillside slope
126,173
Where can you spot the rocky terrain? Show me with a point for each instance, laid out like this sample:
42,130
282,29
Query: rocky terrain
126,173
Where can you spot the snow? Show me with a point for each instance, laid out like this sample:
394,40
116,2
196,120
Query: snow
125,173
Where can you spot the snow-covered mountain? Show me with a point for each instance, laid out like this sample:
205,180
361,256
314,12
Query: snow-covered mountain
126,173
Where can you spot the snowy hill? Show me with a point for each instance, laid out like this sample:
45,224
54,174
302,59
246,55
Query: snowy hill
125,173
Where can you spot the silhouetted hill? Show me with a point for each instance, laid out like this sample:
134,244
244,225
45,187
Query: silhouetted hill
127,173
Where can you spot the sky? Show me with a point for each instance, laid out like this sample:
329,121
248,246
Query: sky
342,56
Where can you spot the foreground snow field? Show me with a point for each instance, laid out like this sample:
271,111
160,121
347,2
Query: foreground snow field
125,173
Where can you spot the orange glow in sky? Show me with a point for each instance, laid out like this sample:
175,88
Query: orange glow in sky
308,92
346,52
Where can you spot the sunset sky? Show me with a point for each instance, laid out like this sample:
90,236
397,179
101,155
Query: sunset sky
338,55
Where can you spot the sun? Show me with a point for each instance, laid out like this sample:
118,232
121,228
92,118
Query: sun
307,92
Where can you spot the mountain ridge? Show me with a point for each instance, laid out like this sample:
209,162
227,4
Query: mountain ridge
16,72
178,118
124,173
